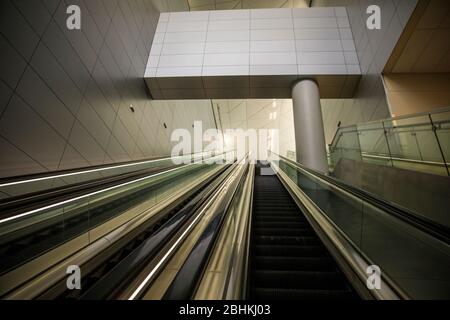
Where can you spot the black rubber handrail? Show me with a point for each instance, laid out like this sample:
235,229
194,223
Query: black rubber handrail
70,171
15,205
126,269
434,229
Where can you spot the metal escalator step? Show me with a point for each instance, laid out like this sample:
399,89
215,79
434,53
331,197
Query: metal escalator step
277,213
277,224
287,259
289,251
272,195
283,231
293,263
301,294
285,240
272,207
270,198
298,280
278,218
281,204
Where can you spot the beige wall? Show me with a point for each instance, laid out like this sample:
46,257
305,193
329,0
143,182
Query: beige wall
416,93
424,45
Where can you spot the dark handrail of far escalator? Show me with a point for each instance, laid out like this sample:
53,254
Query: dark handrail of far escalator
133,263
436,230
57,173
12,206
82,170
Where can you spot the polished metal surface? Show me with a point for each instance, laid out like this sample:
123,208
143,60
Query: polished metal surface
225,275
158,275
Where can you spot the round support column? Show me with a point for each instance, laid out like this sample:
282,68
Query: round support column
308,123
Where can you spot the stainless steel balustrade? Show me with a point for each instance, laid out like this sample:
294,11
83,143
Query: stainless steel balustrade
153,282
225,277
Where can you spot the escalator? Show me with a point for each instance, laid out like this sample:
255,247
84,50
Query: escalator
29,242
294,235
287,259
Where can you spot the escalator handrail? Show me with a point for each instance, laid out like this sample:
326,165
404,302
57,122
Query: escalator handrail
41,195
70,172
51,204
14,206
243,269
31,203
186,281
430,227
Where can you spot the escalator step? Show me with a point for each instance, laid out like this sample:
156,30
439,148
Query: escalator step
270,198
264,196
296,294
279,218
280,206
283,231
276,208
277,224
289,251
278,213
298,279
275,211
293,263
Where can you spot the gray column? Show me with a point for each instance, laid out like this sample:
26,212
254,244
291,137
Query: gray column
308,123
